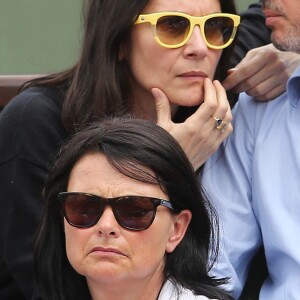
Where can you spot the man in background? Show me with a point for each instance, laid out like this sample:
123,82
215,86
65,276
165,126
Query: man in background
254,180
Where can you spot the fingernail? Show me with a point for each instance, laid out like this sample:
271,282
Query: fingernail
155,92
231,70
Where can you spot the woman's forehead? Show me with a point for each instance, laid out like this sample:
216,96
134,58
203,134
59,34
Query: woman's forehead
94,174
193,7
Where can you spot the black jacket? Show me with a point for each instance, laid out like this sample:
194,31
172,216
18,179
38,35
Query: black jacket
252,33
31,132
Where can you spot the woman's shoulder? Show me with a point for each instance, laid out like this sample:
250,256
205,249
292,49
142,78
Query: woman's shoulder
170,291
31,123
35,99
34,105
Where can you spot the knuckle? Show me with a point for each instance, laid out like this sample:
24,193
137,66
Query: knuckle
229,118
212,105
224,108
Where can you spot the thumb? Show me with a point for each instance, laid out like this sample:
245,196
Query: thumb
162,105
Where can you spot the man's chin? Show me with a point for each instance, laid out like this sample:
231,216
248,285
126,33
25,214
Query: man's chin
286,44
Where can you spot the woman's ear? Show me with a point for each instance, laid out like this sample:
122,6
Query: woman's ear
181,223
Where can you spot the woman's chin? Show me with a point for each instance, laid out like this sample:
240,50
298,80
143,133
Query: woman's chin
190,99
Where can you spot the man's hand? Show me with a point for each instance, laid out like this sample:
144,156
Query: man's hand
263,73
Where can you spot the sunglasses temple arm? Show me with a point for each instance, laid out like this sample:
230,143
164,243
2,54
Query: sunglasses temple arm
167,204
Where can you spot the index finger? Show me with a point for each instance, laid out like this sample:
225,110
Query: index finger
248,67
233,79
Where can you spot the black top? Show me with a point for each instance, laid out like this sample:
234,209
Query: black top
31,132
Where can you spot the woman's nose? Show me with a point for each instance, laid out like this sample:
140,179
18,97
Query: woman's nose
195,46
107,224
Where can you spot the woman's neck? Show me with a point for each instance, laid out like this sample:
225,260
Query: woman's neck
144,104
146,109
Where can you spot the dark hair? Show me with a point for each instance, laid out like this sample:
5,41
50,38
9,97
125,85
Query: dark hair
98,84
132,146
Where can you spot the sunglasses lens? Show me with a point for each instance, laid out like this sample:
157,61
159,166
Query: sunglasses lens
132,212
82,210
218,30
172,30
135,213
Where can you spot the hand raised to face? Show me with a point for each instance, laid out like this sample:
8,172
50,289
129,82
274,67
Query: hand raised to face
198,135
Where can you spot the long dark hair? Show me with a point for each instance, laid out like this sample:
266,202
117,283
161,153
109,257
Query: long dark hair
131,146
98,85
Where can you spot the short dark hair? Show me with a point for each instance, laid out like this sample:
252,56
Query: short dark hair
131,146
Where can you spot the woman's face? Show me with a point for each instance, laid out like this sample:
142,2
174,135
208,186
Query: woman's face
107,253
179,72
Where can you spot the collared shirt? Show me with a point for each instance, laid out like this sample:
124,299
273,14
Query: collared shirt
254,182
171,292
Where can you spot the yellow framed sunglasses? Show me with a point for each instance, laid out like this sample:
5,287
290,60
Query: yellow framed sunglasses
174,29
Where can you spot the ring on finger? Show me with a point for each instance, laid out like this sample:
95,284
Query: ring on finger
220,124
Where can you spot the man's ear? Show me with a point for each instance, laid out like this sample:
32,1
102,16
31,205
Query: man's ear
181,223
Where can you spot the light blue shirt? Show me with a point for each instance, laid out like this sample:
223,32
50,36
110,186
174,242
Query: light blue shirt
254,182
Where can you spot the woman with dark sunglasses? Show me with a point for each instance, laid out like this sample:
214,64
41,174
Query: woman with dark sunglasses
160,69
125,218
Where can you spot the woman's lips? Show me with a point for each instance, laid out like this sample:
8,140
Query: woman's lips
193,75
107,251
